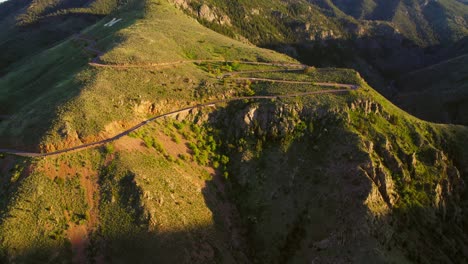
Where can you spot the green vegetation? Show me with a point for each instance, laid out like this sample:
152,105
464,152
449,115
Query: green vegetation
84,100
264,22
37,211
329,177
382,40
285,175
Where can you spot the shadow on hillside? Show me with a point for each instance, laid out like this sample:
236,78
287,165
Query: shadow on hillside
35,104
27,41
184,246
123,236
304,202
311,200
381,60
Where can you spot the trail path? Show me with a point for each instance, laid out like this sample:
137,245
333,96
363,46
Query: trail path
128,131
91,47
340,85
159,64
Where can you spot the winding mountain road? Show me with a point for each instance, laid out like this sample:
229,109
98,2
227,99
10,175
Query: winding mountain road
128,131
91,47
159,64
340,85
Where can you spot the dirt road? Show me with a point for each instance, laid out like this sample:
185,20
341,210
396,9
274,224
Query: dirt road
295,67
126,132
339,85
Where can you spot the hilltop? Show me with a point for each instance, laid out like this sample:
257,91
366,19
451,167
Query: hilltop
383,40
306,164
28,27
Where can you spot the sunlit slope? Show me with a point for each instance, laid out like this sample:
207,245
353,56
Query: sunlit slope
131,201
59,89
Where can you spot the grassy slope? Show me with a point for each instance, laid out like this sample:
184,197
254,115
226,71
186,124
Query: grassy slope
387,46
73,89
164,35
153,192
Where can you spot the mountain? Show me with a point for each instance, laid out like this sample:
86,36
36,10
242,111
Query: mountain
383,40
438,92
425,22
147,137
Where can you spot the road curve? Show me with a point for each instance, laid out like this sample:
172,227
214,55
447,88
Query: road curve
338,85
95,62
128,131
159,64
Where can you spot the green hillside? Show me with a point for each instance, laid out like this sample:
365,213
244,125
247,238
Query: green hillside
424,23
330,177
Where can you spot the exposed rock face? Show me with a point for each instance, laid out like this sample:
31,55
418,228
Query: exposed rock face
272,121
144,107
380,174
322,35
366,105
291,185
213,15
204,12
314,32
448,190
181,3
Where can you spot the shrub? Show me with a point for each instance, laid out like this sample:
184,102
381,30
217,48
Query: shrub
175,138
310,69
109,148
148,141
157,146
179,125
183,157
224,159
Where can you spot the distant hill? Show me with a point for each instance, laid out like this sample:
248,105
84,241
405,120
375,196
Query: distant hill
438,93
29,26
426,22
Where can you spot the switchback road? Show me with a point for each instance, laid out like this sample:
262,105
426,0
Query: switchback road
95,62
